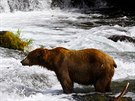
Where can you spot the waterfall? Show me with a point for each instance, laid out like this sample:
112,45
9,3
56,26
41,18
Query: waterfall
4,7
23,5
30,5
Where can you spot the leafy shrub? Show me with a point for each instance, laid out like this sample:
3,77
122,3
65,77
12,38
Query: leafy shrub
13,41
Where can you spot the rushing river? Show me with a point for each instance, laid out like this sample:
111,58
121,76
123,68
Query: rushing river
67,28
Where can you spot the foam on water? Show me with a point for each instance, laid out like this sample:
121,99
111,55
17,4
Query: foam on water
125,70
54,28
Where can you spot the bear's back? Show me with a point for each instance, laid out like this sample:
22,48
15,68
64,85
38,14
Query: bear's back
90,55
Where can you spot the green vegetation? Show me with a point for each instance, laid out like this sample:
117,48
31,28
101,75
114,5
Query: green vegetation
13,41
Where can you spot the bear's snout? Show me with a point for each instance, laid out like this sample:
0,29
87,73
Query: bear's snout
25,62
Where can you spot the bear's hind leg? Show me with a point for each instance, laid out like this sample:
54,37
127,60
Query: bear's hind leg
108,88
102,85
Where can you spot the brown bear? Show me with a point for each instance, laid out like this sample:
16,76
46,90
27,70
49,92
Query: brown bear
86,67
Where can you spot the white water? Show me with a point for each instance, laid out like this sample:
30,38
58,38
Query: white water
23,5
52,28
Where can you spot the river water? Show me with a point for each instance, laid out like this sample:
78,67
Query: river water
67,28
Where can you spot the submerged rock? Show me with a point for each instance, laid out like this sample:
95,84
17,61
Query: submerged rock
116,38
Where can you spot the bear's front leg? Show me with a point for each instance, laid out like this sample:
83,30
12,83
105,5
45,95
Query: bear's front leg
66,83
67,86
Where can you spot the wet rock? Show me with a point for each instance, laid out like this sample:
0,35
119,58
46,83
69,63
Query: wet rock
116,38
98,97
117,87
112,7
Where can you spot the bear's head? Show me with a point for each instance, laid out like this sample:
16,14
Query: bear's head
35,57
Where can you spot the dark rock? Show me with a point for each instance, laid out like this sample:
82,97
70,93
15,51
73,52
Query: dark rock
123,7
122,4
98,97
117,87
116,38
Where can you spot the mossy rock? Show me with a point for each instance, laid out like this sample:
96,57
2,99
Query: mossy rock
12,41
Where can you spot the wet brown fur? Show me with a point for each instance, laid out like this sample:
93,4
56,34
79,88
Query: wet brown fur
87,66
